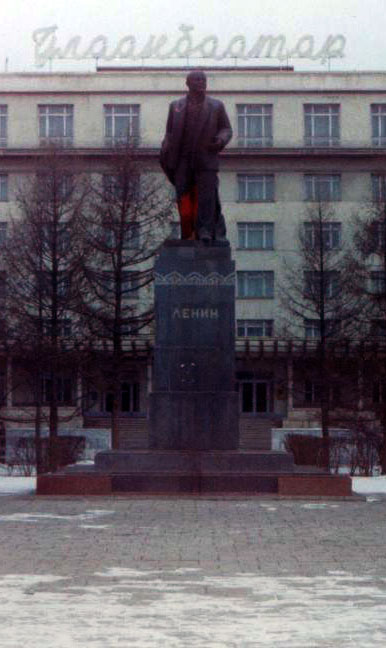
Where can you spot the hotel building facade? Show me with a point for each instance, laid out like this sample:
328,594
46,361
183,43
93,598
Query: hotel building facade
298,137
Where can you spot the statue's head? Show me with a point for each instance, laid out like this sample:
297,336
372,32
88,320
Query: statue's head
196,81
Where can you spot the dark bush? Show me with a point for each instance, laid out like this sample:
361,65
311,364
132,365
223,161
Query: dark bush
60,451
307,450
65,450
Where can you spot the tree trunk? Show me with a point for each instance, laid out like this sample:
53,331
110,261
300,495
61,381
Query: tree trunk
382,451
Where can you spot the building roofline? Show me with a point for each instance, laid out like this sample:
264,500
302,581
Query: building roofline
175,69
189,68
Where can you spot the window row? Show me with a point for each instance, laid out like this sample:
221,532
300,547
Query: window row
254,124
102,401
250,236
245,328
251,187
259,284
265,328
256,396
251,284
321,125
56,124
260,235
317,187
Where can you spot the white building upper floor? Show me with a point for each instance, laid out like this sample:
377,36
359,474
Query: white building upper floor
298,138
280,109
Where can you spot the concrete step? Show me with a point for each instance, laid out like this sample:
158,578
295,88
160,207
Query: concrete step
134,433
255,433
199,462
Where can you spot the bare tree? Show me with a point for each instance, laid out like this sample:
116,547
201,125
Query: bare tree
316,303
366,267
42,262
128,219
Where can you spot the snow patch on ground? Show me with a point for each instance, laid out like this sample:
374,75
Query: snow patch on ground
366,485
125,607
319,505
95,526
43,517
10,485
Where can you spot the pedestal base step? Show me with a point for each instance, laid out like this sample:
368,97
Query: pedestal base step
177,483
194,462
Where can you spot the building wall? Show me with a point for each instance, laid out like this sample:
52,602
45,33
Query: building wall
288,159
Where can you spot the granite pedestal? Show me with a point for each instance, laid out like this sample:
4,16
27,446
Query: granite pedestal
193,414
193,405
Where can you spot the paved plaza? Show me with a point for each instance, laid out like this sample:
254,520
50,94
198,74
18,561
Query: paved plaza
211,572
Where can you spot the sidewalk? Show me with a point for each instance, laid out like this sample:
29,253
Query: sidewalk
192,573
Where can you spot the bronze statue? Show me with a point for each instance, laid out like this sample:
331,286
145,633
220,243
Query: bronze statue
197,129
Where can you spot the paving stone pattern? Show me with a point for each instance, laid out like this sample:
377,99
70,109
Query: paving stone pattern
187,573
73,537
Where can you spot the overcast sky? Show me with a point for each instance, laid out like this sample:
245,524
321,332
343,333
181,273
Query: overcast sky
361,22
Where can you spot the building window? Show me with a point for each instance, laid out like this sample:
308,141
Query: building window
3,187
378,186
112,187
321,123
377,282
255,188
63,285
254,122
52,188
128,328
323,188
56,240
128,399
255,236
311,392
63,389
45,279
313,287
255,395
254,328
258,284
378,124
129,284
3,234
331,235
3,126
379,230
63,327
119,188
121,124
65,186
312,328
56,125
130,240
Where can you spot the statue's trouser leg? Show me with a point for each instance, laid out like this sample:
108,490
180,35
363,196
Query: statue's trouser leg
207,197
186,199
187,208
220,227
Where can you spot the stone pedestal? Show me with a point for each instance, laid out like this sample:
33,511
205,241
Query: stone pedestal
193,408
193,405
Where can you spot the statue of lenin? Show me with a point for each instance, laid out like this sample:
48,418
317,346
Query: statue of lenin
197,129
